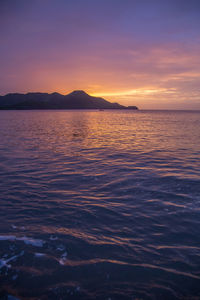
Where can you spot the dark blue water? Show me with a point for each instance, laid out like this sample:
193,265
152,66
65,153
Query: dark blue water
100,204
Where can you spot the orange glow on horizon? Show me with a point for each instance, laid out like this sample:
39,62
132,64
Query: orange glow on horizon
138,92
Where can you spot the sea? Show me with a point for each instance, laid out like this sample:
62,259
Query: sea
99,204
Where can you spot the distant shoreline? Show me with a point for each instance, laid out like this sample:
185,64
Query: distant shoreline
96,109
75,100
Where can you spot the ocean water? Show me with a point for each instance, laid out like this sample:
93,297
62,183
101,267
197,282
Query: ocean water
100,205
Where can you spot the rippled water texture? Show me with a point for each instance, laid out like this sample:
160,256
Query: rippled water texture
100,204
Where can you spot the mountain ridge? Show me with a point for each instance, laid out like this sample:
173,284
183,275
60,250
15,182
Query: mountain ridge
77,99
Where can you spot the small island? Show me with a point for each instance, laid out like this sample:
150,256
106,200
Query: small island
75,100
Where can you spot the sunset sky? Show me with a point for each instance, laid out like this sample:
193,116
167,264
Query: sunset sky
135,52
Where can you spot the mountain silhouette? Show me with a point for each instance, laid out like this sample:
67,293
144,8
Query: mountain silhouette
75,100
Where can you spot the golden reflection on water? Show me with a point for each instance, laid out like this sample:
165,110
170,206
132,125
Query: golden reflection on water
77,131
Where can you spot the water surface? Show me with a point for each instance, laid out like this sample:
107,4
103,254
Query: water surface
100,204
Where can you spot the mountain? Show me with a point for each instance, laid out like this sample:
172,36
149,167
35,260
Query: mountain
74,100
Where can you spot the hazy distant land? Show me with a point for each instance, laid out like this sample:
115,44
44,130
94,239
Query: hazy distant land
75,100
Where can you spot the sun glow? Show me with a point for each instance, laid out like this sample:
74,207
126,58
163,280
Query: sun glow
141,91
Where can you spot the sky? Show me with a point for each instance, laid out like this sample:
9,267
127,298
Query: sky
134,52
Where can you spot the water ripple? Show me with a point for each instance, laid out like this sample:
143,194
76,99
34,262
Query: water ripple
110,198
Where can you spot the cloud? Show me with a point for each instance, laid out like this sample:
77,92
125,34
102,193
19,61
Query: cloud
139,51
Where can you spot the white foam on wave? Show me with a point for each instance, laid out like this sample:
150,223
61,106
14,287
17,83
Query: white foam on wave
4,262
18,227
63,258
26,240
37,254
61,248
7,237
53,238
30,241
